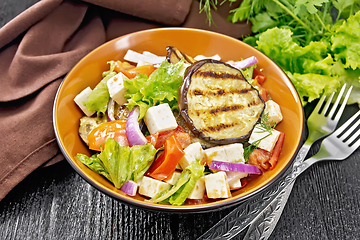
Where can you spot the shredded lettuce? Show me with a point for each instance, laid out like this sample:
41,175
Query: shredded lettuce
248,73
119,164
161,86
99,97
178,193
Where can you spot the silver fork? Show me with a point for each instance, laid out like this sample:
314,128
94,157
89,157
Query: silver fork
337,146
320,124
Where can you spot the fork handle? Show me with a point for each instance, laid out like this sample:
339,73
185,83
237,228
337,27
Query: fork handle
263,225
239,218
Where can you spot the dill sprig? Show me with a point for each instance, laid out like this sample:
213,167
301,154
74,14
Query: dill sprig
265,124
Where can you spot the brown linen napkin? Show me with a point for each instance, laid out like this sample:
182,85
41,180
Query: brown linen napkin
43,43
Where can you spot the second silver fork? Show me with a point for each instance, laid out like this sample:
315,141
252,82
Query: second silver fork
241,217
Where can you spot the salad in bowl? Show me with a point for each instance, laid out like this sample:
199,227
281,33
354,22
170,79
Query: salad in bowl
170,129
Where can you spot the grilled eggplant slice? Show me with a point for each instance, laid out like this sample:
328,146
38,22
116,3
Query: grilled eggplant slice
174,56
218,103
87,124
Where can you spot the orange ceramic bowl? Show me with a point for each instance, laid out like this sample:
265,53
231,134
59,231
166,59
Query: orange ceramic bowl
192,42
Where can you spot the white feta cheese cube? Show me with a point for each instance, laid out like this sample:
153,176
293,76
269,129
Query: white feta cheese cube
117,89
149,187
160,118
235,176
135,57
217,186
81,98
142,63
268,139
235,185
147,53
192,152
198,190
201,57
274,112
228,153
173,178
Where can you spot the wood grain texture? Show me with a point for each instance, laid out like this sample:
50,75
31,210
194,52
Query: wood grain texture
11,8
56,203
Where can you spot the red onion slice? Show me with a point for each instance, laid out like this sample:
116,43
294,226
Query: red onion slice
130,188
133,132
234,167
110,110
245,63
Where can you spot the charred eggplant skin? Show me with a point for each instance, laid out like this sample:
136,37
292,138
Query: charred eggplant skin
174,55
256,105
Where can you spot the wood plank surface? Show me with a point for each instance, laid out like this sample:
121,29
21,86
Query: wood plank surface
56,203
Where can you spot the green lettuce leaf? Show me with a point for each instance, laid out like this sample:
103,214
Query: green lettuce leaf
95,164
248,73
346,42
116,160
310,86
164,196
162,86
311,69
141,158
118,163
99,97
178,193
197,171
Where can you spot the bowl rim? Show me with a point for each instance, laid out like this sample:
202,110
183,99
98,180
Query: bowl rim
217,205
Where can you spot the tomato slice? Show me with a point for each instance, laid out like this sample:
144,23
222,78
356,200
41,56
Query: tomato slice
145,69
158,139
114,129
260,158
263,92
259,77
165,164
277,150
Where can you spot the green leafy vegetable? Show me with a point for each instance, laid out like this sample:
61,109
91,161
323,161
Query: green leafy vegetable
95,164
142,156
116,161
161,87
310,68
119,163
99,97
178,193
316,42
248,73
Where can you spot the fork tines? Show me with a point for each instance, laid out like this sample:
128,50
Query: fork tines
347,131
335,105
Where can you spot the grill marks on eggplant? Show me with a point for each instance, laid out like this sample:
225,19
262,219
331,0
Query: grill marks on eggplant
221,106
